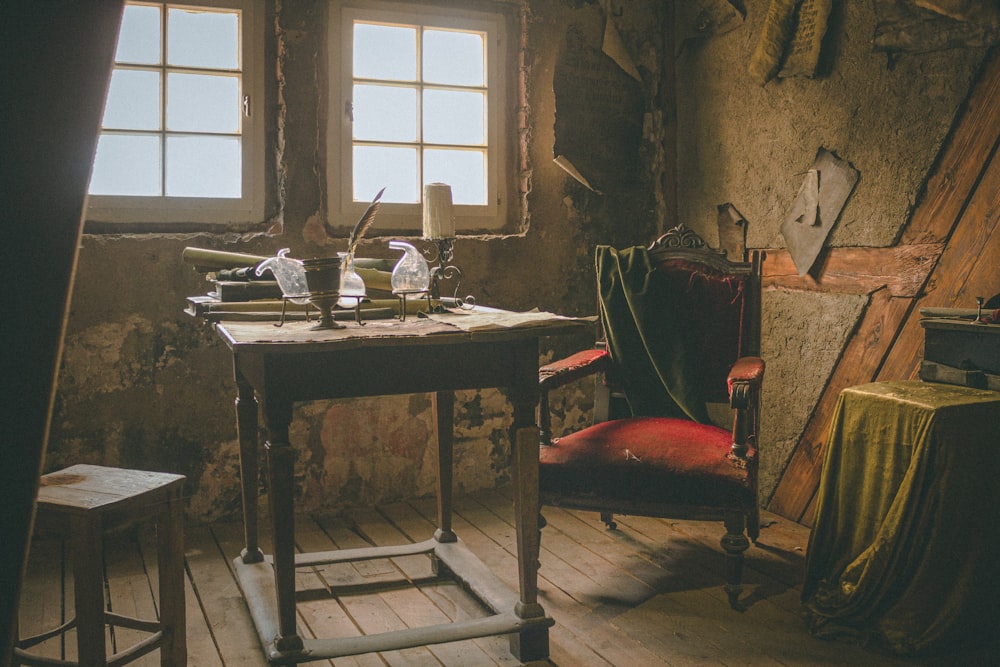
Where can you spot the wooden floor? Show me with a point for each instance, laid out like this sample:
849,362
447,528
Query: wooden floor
649,593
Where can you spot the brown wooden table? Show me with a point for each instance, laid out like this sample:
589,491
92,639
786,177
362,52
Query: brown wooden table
276,367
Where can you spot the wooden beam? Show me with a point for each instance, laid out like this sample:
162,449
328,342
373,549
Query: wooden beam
900,269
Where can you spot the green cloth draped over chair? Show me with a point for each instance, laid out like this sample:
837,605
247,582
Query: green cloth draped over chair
643,322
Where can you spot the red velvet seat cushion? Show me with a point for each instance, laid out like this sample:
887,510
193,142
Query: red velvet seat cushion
649,460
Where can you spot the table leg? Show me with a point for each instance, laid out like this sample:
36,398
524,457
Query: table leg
280,488
246,429
531,644
88,584
170,563
444,411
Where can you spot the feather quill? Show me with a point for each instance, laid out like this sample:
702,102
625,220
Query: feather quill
363,224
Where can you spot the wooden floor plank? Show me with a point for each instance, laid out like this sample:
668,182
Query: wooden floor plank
592,602
129,593
43,596
619,556
455,602
220,600
566,647
201,648
372,613
675,611
327,617
414,607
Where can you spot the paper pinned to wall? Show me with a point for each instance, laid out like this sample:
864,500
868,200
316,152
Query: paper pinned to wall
614,48
563,162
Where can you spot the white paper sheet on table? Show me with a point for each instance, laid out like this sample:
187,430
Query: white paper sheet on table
484,319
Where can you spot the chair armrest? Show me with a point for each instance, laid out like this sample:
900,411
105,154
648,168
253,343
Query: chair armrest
744,382
746,376
574,367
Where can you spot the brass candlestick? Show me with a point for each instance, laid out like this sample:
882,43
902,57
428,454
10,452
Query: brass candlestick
440,257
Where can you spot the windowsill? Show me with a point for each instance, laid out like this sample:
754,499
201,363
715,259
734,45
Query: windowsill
99,227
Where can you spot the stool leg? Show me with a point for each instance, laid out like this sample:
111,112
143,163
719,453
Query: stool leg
170,558
88,587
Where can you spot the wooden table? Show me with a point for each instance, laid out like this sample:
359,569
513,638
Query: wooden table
276,367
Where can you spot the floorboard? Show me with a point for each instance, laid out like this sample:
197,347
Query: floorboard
649,594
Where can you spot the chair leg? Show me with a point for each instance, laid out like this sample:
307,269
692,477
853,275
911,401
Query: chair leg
544,418
753,524
609,520
735,542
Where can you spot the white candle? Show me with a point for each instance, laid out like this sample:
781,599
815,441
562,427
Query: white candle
439,220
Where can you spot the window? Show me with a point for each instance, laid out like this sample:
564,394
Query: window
181,138
418,94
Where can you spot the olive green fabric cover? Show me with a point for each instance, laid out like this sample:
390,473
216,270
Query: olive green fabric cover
644,326
905,542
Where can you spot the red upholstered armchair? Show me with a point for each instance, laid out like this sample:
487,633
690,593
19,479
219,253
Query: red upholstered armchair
681,324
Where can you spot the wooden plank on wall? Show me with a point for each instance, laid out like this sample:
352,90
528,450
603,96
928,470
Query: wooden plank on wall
900,269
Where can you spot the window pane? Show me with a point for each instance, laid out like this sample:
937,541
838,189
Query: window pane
457,58
139,36
385,52
203,39
133,100
454,117
392,167
126,165
385,113
203,167
464,171
203,103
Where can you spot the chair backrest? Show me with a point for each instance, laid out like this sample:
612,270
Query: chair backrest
720,302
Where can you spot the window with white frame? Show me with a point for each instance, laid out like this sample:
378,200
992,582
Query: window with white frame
181,137
418,95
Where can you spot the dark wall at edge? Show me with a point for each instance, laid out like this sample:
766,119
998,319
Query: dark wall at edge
56,59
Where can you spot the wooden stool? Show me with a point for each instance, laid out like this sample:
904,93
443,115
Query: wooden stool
83,502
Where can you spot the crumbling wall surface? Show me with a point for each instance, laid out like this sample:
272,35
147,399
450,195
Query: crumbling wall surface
143,385
749,145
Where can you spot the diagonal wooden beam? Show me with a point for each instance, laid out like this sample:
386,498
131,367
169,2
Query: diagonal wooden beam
951,243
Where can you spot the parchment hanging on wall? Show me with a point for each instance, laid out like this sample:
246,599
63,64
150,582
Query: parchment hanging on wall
599,107
790,40
919,26
823,194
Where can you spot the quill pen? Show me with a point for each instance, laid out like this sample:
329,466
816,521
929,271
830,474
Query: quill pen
363,224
